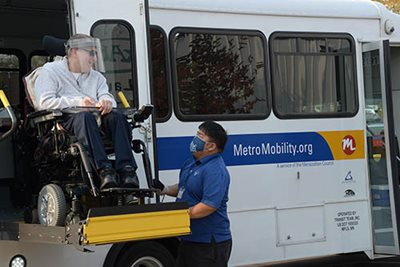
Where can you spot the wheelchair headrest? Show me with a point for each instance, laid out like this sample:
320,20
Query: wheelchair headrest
53,45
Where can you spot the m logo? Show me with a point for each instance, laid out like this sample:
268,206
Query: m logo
348,144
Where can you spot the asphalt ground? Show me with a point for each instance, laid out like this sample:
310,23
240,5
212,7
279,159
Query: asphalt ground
342,260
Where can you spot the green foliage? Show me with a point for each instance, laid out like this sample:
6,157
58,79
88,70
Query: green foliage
213,79
9,61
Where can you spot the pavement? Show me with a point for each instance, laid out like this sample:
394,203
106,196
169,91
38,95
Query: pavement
342,260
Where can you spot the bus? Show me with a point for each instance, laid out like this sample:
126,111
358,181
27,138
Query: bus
308,92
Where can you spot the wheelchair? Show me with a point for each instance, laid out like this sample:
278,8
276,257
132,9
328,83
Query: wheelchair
56,178
65,184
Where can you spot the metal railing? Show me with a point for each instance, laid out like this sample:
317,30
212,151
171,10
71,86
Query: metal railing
7,106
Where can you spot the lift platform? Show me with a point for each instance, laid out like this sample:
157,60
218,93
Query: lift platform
107,225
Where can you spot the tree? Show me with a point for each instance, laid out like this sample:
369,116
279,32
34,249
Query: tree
393,5
213,79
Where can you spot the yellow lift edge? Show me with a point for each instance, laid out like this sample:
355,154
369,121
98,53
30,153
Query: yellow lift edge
130,223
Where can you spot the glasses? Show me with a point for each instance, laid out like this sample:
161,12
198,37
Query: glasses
91,53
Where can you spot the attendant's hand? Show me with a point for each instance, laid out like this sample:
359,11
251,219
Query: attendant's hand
88,102
159,185
169,190
105,106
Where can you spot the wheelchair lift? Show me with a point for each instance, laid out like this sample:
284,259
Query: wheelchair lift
102,225
107,226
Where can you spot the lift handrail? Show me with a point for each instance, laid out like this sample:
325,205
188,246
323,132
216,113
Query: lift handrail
7,106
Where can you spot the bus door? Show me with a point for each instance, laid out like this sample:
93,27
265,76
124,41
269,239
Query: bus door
122,27
382,164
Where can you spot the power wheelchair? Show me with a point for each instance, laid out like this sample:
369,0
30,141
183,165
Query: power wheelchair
56,177
65,183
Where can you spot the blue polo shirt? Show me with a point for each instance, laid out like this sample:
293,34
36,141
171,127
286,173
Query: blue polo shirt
206,181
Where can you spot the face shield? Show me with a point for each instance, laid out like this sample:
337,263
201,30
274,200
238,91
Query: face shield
88,53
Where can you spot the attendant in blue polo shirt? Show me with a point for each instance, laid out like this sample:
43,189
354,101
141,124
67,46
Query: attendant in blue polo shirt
204,185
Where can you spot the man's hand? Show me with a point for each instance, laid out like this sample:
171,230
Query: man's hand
88,102
158,184
105,106
169,190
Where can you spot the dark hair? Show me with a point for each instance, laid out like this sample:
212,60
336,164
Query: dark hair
215,132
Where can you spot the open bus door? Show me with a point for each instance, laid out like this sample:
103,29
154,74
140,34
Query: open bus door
122,27
381,143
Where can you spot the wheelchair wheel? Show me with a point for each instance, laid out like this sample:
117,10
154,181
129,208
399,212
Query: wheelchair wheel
52,207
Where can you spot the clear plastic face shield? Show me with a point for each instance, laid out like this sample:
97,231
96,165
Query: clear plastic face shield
88,53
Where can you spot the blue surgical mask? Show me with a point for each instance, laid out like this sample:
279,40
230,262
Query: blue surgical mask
197,145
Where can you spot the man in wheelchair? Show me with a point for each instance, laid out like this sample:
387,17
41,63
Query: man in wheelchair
75,81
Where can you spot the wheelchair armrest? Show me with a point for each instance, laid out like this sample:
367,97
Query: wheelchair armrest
138,115
44,115
143,113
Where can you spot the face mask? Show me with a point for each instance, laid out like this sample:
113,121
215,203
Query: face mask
197,145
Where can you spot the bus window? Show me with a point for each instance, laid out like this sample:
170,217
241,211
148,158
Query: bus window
10,76
162,108
219,74
313,75
37,60
117,39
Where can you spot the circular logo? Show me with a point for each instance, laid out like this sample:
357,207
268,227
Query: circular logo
348,144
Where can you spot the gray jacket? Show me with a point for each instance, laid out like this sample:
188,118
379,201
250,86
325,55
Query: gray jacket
57,88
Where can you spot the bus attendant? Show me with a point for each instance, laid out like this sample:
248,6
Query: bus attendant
204,185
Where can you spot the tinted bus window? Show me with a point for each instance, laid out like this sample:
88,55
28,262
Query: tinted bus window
39,60
117,46
159,74
220,74
10,77
313,75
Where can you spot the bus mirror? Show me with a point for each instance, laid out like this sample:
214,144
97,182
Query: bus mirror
8,121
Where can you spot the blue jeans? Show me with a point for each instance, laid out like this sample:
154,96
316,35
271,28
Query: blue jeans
114,125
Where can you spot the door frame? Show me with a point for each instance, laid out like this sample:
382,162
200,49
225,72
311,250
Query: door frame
392,171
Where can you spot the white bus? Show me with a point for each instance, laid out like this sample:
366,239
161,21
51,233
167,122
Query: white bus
308,91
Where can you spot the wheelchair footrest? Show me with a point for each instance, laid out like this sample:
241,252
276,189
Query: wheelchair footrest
128,223
136,192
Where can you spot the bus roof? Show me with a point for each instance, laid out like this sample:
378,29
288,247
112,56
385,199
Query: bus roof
304,8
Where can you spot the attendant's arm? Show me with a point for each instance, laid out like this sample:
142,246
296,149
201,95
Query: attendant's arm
170,190
214,189
200,210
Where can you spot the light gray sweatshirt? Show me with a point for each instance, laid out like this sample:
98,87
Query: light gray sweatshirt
57,88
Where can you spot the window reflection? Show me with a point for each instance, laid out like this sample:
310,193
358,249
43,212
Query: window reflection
159,69
220,74
39,60
318,78
10,77
116,45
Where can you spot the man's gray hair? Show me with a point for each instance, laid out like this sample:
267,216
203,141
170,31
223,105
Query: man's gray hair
79,40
